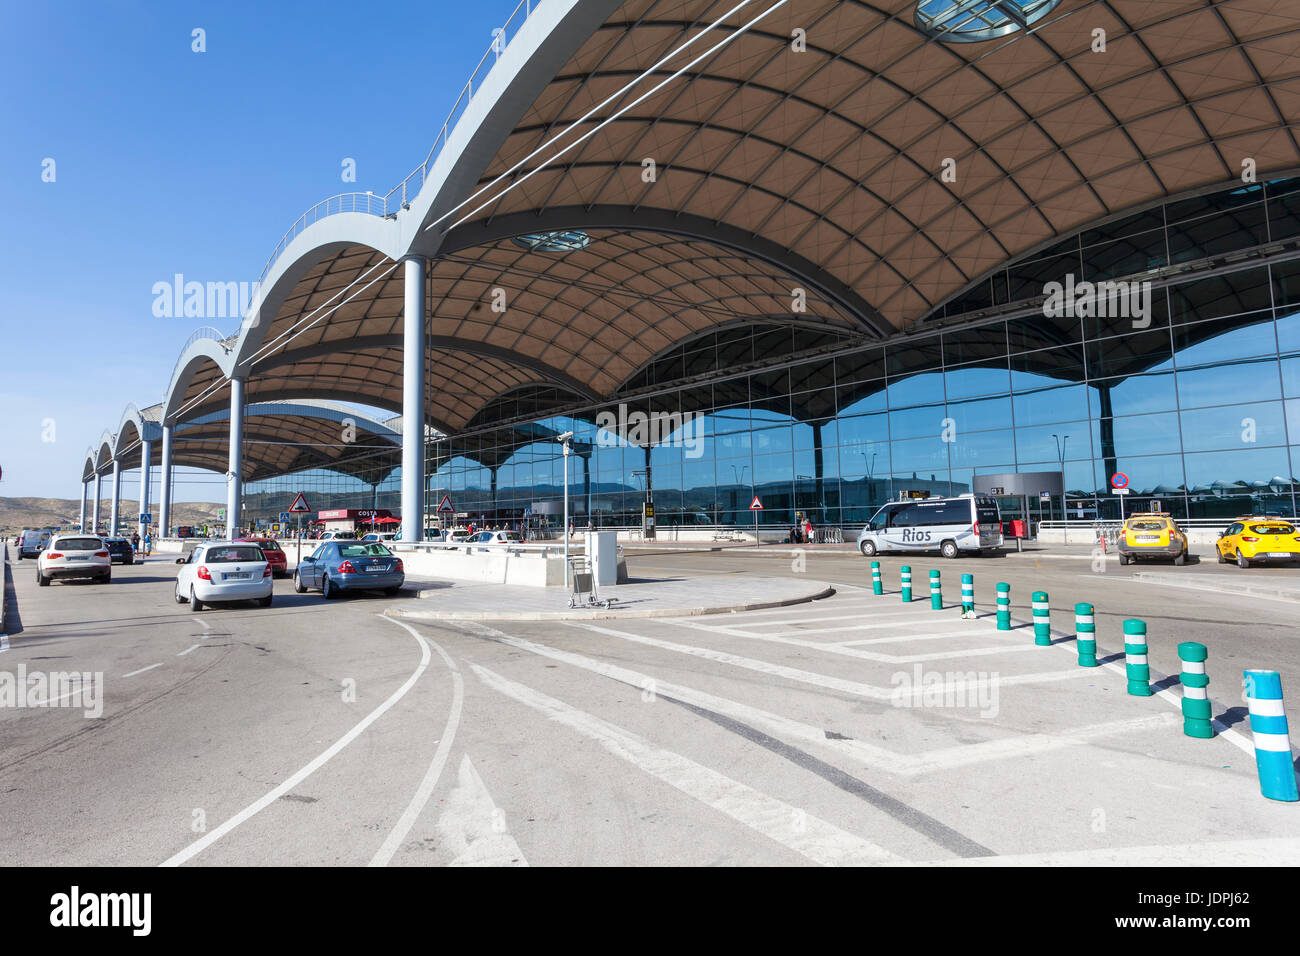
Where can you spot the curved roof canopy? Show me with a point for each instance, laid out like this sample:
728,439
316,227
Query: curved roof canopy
705,166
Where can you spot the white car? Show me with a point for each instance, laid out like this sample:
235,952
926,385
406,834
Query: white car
31,541
224,571
380,536
74,556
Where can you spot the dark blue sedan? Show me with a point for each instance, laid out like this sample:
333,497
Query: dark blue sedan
350,565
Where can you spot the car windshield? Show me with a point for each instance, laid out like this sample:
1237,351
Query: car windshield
77,544
269,545
363,551
1147,524
1273,528
232,554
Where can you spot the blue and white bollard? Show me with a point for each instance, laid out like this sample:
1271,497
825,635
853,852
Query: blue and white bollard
1272,739
1136,668
905,580
876,586
1004,606
967,596
1042,619
1085,635
936,592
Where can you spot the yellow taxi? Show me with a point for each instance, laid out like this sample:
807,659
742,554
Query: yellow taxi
1255,540
1152,534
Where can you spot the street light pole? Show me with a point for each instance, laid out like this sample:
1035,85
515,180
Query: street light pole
564,441
1065,512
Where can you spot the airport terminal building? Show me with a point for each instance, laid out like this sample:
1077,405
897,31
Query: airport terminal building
821,254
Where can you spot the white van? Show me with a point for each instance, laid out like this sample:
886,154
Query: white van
950,526
31,542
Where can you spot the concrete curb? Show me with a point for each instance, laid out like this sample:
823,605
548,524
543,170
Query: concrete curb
824,590
1245,589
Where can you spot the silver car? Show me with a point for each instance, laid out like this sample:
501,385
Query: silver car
218,571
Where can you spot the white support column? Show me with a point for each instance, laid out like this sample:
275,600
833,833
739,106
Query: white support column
236,468
94,518
82,527
413,402
165,489
146,450
117,496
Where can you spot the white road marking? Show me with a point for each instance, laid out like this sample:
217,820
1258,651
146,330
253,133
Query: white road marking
473,826
426,787
1272,851
188,649
874,656
143,669
870,755
781,822
212,836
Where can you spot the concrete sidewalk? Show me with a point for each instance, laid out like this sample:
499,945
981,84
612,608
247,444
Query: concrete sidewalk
640,598
1272,588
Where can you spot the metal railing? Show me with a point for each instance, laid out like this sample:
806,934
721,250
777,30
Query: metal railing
400,196
207,332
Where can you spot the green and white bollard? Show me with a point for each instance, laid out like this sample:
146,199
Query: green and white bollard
876,586
1196,697
1004,606
936,592
967,596
1135,658
1042,619
1085,635
905,579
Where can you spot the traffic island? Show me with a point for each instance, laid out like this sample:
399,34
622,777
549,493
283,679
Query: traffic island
639,598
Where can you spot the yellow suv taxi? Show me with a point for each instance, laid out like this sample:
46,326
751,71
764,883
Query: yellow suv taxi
1152,535
1258,540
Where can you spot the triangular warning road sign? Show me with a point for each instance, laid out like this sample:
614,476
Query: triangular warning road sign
756,505
444,506
299,505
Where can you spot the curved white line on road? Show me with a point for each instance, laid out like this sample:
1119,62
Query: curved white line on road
201,844
188,649
142,670
425,790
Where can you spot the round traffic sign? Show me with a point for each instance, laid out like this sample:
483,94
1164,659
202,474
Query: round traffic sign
1119,480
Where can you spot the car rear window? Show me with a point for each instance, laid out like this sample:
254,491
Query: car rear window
1272,528
269,545
1147,524
364,551
230,555
77,544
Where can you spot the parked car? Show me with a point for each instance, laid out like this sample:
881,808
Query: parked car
1152,535
74,556
338,536
1258,541
495,537
380,536
120,550
31,541
224,571
275,555
338,566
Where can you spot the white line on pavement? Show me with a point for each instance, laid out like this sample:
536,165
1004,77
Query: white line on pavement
188,649
425,789
1273,851
870,755
781,822
845,651
142,670
212,836
474,827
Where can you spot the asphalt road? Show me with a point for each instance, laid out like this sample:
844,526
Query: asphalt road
315,733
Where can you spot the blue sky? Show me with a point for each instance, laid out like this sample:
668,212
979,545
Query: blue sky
170,161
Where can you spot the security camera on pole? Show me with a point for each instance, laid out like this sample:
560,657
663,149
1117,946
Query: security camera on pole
564,441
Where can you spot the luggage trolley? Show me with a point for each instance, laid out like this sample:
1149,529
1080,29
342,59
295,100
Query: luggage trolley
584,584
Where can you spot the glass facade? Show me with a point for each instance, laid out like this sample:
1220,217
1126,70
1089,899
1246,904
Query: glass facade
1197,401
